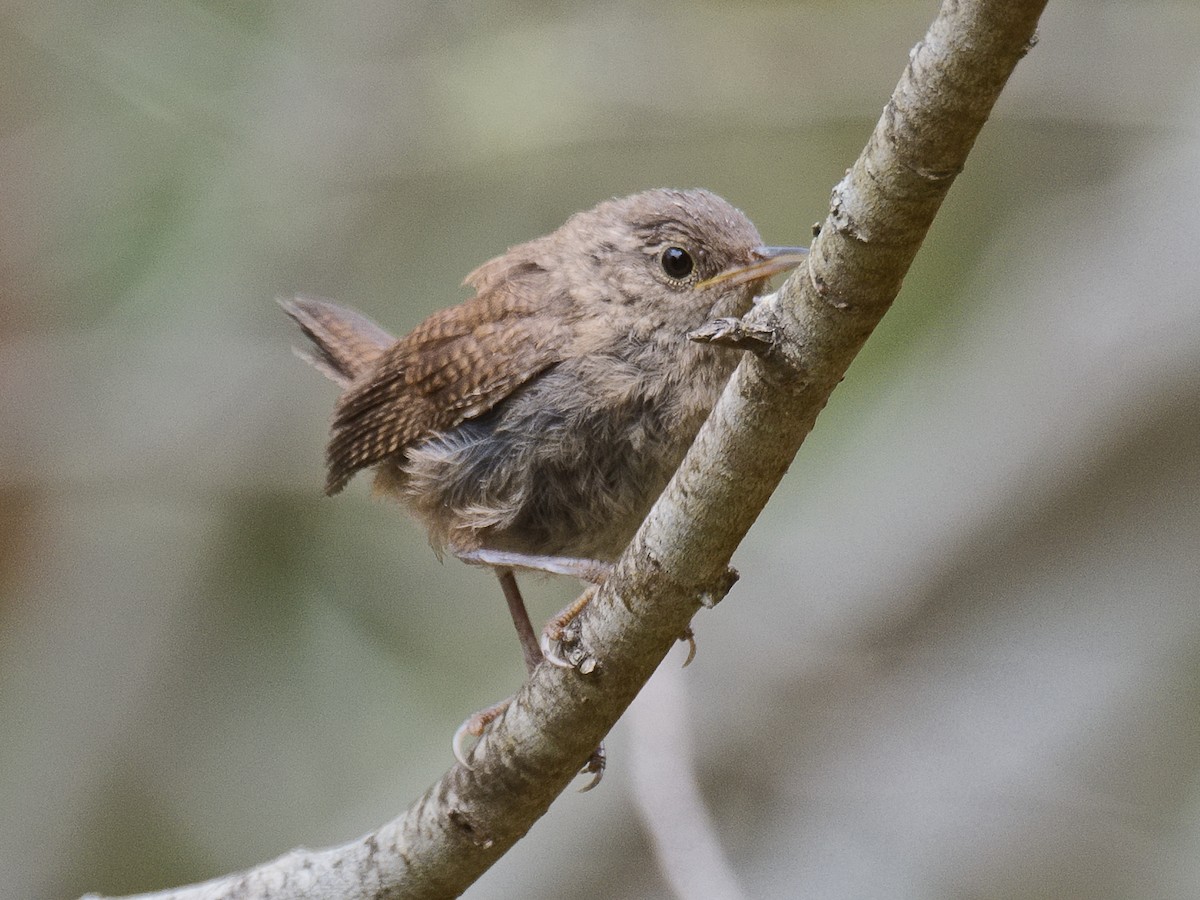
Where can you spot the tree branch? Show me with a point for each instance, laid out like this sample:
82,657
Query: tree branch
667,792
678,560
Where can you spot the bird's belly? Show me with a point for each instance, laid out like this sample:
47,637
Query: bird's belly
553,471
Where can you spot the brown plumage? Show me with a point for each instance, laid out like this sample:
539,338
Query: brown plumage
543,415
344,343
534,424
454,366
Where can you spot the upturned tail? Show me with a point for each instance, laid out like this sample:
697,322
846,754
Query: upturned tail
344,343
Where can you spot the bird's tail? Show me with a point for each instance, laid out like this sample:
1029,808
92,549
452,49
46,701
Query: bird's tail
344,343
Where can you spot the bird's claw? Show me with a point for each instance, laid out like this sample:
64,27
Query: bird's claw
595,767
473,728
458,744
552,643
689,636
562,647
562,638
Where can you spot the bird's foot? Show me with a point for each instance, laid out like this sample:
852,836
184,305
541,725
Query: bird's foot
473,728
689,636
561,644
595,767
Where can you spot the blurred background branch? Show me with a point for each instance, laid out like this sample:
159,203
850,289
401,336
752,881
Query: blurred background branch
997,697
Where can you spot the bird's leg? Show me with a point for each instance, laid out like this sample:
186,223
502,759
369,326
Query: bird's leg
520,616
593,571
474,726
558,631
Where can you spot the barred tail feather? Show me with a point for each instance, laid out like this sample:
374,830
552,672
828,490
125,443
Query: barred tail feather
344,343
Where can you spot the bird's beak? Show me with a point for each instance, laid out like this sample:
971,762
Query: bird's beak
767,261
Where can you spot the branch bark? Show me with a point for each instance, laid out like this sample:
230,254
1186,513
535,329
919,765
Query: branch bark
678,561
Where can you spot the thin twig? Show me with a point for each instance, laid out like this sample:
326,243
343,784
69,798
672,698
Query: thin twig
668,796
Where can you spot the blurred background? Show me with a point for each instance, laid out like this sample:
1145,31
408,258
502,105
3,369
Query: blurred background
964,655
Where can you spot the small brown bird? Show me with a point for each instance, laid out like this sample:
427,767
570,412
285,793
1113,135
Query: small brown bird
533,425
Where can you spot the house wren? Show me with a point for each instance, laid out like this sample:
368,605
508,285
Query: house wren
533,425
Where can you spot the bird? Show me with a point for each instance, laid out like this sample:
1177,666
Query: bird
532,425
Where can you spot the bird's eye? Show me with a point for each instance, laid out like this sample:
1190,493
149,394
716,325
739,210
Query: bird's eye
677,262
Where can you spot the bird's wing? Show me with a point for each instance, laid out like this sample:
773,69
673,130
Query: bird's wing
456,365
